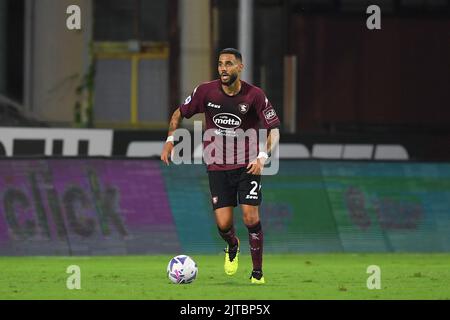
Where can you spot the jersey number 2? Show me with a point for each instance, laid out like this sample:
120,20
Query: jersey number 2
255,186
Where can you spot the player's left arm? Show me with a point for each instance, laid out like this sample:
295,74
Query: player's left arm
270,121
257,165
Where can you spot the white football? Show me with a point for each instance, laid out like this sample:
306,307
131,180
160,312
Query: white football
182,269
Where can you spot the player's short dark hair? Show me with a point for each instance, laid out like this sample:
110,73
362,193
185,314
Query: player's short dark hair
232,51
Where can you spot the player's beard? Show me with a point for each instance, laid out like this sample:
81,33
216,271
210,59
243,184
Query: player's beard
231,79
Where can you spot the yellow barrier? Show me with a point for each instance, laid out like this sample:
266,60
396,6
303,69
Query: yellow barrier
120,50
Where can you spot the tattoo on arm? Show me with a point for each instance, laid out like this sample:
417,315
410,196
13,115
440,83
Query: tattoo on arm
272,139
174,121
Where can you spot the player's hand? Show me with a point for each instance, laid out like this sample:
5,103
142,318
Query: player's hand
166,152
256,166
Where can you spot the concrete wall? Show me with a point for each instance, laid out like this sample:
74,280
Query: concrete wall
57,57
195,48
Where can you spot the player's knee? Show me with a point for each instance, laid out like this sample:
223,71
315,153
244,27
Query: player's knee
250,216
251,220
224,226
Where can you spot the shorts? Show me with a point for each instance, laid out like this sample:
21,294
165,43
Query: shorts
229,186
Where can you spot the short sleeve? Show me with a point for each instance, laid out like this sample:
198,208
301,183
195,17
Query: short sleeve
193,103
266,112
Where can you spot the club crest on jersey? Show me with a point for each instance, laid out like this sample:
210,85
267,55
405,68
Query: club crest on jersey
243,108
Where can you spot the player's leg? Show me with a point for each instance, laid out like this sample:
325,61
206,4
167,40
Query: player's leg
251,219
223,195
250,198
224,220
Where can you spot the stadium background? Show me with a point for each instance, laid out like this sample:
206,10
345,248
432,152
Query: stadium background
365,135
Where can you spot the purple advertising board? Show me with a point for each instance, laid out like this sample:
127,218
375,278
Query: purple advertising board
84,207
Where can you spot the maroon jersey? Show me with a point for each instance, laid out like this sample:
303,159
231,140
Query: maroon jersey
232,122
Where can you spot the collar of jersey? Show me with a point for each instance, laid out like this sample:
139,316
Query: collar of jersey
223,91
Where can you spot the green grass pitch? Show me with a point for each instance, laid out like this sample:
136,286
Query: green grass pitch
289,276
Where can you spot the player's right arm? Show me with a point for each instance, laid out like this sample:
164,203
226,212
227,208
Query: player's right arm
192,105
174,123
